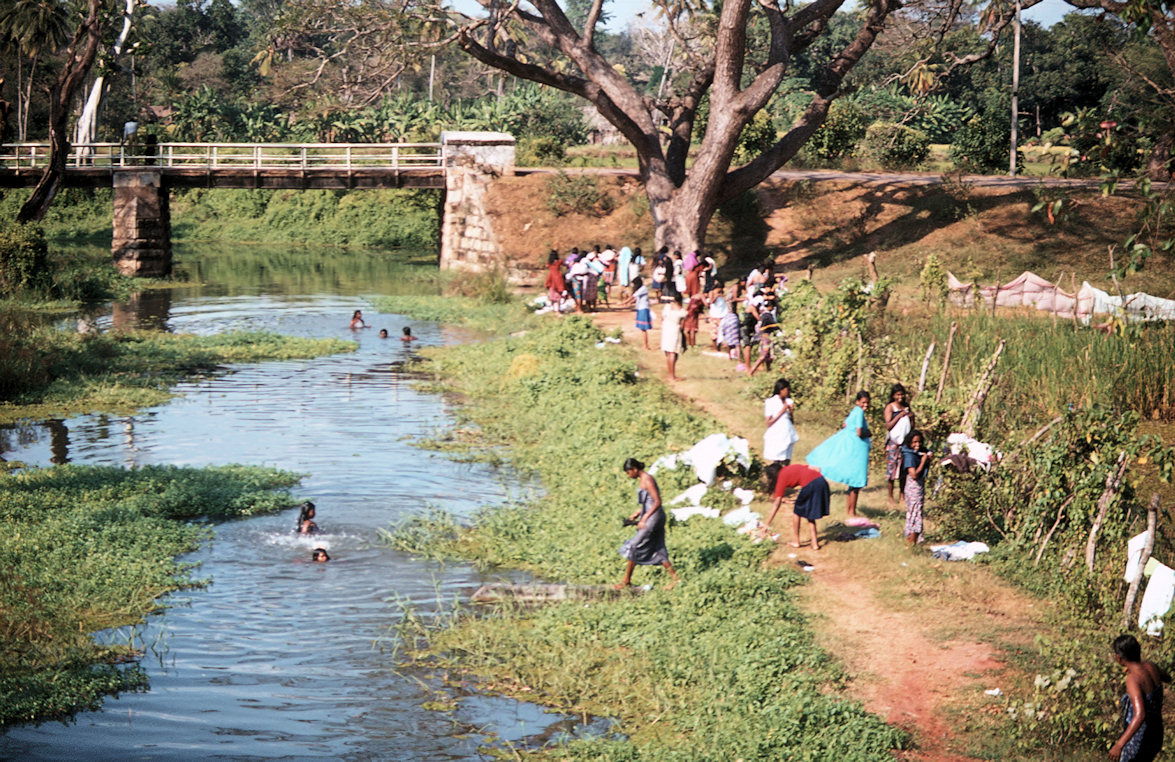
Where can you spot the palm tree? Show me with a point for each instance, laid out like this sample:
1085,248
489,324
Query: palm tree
33,27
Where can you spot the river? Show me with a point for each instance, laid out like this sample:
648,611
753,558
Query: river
279,657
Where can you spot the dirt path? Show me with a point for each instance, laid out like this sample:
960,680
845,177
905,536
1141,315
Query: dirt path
916,636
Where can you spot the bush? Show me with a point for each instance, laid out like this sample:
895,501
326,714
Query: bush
983,143
541,152
842,130
896,146
24,260
576,193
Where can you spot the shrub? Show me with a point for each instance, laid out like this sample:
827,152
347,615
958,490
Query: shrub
842,130
24,260
896,146
933,280
983,143
576,193
541,152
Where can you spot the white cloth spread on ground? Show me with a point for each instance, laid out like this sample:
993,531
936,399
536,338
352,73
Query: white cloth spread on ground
1157,600
1031,290
707,455
740,516
1134,557
692,496
682,514
980,452
744,496
959,551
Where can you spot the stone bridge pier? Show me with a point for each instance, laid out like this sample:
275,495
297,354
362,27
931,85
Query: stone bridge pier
473,161
141,242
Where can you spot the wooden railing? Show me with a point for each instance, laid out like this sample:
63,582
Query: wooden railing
255,156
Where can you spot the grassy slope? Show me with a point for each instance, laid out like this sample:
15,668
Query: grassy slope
723,666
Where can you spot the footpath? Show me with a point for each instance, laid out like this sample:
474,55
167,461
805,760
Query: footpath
920,639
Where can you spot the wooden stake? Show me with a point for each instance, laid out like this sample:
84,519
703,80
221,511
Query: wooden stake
1152,520
925,367
995,294
872,261
975,406
946,362
1056,292
1073,281
1113,481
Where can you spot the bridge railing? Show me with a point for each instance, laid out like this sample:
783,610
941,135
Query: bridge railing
227,156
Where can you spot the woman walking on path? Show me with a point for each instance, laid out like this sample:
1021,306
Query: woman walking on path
781,436
647,547
1142,706
844,456
915,461
671,344
899,422
811,503
644,316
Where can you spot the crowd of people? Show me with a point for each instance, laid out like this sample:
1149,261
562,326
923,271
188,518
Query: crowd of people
681,292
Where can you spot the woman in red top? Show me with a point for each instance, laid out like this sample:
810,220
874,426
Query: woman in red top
811,503
555,283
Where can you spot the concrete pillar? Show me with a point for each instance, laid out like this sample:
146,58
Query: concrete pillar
473,160
142,223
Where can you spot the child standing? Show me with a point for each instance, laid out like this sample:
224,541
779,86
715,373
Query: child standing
644,315
915,461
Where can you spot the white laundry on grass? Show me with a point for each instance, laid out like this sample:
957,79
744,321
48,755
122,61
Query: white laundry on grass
707,455
959,551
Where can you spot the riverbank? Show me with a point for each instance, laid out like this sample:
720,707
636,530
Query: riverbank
918,641
724,664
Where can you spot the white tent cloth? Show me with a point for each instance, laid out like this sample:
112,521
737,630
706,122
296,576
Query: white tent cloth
1030,290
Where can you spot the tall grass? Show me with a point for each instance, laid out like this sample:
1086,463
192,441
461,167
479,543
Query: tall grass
1048,366
88,548
723,666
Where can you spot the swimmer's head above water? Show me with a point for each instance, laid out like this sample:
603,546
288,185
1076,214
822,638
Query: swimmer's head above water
319,555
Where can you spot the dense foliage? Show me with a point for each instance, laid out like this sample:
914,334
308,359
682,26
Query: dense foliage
87,548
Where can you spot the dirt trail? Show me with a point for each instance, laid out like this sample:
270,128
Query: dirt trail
899,622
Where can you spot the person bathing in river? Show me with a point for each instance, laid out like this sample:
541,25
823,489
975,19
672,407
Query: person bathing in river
357,321
306,523
647,547
811,503
319,555
407,335
383,333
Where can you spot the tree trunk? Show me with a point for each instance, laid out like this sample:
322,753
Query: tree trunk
1158,165
79,57
680,214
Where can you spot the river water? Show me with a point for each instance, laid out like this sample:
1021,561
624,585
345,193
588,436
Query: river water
280,657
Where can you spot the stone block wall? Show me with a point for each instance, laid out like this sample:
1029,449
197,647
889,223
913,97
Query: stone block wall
473,161
142,224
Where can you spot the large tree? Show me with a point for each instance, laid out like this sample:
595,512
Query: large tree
717,59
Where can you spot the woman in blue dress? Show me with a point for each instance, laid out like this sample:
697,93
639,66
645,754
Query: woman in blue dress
844,456
647,547
1142,706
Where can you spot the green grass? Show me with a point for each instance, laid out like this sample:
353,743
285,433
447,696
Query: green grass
88,548
721,667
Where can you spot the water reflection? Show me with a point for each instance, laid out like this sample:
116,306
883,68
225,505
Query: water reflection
281,657
143,310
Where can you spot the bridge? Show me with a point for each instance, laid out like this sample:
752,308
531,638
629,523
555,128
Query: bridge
142,175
